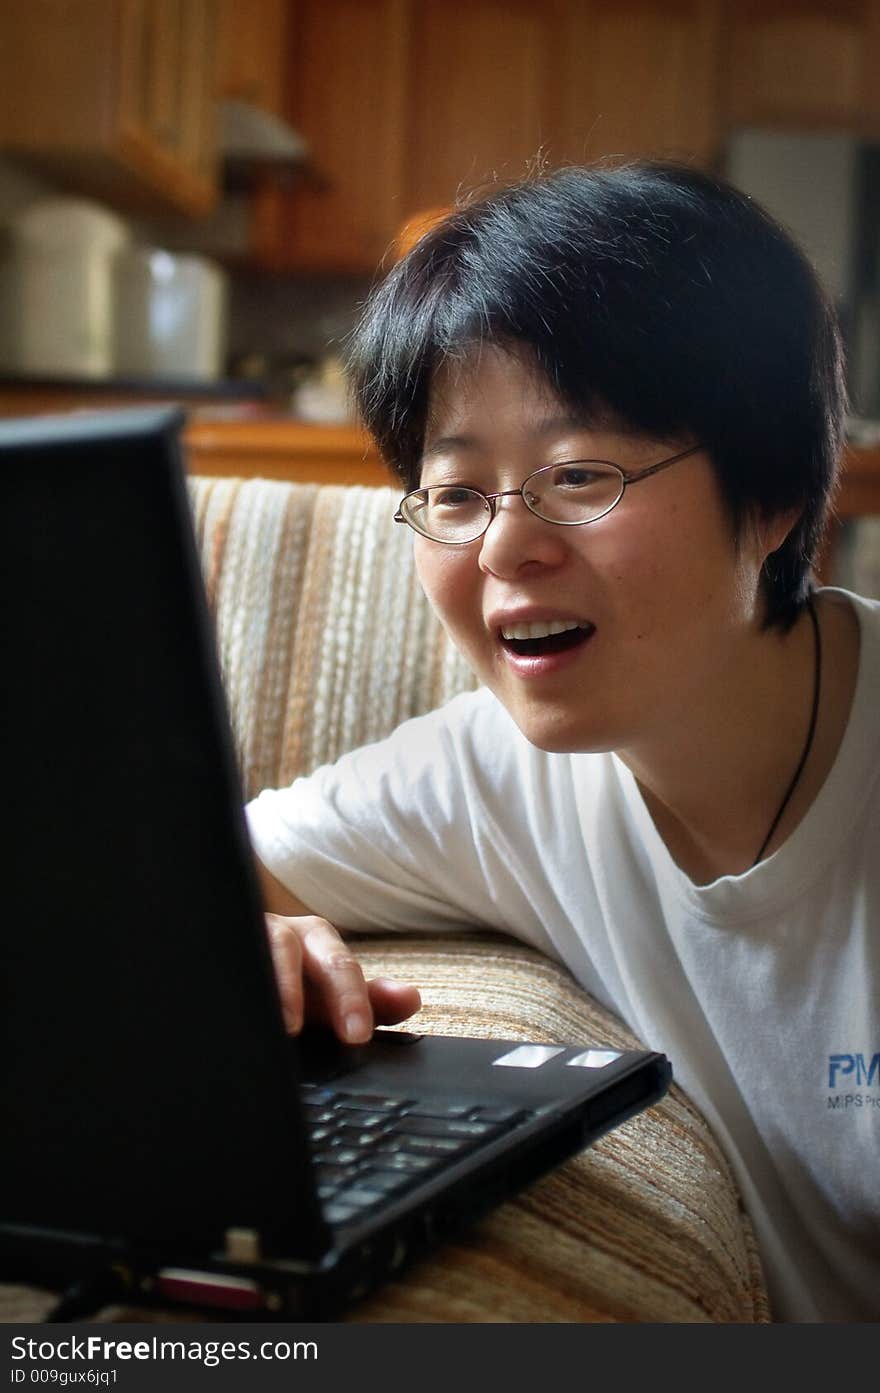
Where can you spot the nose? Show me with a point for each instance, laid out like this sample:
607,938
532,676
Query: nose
516,538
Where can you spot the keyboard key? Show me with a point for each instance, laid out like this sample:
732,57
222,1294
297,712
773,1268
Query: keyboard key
313,1094
386,1182
401,1161
435,1146
499,1112
318,1112
321,1133
360,1196
344,1155
441,1108
331,1174
336,1213
360,1141
364,1121
373,1102
440,1127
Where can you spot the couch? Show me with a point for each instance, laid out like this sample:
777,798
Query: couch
325,642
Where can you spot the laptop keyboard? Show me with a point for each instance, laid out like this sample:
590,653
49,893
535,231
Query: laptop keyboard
368,1148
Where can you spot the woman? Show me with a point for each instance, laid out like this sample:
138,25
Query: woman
615,399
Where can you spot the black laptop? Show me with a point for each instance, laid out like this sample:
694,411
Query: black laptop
163,1137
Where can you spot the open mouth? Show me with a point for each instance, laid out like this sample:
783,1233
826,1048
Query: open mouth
538,640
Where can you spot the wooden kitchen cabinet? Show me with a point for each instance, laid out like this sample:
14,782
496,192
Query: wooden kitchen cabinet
408,103
642,80
347,98
803,65
116,98
253,51
484,94
498,88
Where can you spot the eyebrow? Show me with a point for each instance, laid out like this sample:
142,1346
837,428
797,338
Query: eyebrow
551,425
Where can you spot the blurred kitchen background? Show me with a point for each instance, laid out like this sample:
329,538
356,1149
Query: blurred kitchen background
195,195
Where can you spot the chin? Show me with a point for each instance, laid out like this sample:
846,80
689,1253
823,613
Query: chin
560,734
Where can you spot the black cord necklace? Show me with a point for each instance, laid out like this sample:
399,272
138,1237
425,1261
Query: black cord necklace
808,744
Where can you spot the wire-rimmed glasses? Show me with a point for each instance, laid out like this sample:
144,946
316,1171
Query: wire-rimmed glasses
568,494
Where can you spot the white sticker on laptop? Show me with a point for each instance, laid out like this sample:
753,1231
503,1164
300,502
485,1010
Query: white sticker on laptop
594,1059
529,1056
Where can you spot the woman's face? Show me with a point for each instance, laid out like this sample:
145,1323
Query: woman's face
663,597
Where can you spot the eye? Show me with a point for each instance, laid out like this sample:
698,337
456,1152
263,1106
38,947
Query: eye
452,496
578,475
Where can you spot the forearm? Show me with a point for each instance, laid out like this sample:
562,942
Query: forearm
277,899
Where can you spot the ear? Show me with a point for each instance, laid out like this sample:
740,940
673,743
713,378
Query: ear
770,532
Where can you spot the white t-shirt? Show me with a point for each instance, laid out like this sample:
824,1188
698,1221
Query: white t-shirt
762,988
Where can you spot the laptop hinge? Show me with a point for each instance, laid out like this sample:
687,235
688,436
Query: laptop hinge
242,1245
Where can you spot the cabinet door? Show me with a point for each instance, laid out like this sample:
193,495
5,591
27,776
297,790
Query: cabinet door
498,88
167,96
347,99
803,64
49,97
113,97
253,51
641,80
484,95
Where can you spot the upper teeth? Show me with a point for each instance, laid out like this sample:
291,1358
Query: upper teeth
555,626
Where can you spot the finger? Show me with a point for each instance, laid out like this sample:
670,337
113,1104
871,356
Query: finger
392,1001
286,950
333,973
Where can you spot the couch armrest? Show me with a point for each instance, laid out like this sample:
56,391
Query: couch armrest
646,1225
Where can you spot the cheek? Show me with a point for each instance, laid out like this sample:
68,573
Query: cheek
632,566
429,567
447,577
670,565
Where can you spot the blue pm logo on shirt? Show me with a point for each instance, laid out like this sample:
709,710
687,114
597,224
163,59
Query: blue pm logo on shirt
854,1068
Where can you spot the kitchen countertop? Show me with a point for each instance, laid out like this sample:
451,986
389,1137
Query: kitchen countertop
164,388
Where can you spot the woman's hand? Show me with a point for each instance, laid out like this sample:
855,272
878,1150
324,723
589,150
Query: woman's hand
321,981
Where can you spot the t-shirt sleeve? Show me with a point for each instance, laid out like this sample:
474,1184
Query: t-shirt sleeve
406,833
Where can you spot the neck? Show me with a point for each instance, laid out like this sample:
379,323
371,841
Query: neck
714,783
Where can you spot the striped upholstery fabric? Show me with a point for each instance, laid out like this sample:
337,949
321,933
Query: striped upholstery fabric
326,642
645,1225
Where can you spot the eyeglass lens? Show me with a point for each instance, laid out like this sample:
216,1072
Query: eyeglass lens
569,493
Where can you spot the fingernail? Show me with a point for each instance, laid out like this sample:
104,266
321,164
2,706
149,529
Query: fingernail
357,1027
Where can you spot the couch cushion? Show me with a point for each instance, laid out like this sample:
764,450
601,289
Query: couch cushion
326,640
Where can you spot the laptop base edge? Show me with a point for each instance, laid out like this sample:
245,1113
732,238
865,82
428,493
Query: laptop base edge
80,1266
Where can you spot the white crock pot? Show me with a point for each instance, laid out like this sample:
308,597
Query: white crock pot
170,318
57,288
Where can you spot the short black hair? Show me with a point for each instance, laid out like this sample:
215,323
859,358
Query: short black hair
651,289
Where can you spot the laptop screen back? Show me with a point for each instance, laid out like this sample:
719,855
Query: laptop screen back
147,1082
